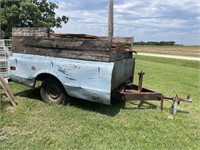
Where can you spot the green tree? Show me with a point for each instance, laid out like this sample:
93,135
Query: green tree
28,13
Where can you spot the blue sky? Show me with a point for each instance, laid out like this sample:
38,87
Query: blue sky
145,20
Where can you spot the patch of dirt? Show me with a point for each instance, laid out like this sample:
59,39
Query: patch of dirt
10,109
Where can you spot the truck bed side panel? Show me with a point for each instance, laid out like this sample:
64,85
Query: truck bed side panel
87,80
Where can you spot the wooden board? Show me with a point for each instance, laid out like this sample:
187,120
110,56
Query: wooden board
7,90
107,56
37,32
63,43
85,36
38,41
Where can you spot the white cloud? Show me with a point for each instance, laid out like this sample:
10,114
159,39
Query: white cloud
126,6
198,18
163,19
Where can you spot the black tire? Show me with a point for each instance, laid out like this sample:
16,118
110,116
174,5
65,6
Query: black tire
52,91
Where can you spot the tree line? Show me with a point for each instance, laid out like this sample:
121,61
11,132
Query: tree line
161,43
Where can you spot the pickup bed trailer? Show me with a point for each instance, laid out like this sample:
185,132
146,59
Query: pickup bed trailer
82,66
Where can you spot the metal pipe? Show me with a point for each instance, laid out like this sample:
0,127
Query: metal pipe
110,20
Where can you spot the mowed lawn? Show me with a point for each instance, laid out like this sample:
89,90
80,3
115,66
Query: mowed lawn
83,125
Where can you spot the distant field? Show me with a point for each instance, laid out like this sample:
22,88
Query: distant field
174,50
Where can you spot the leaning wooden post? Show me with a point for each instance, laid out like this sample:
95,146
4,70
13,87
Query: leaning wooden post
7,90
110,20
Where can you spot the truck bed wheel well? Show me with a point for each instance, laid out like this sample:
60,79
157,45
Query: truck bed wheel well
43,76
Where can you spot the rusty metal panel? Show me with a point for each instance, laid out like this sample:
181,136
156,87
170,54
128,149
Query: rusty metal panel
143,96
133,92
122,71
89,80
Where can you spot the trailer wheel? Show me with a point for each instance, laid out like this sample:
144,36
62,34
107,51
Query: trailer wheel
52,91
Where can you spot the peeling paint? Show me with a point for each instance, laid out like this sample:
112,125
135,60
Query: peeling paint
33,68
70,79
93,81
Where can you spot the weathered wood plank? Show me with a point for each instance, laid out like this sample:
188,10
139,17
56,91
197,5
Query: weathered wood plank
7,90
37,32
71,54
116,56
84,36
121,47
127,40
85,55
71,44
36,41
68,43
120,43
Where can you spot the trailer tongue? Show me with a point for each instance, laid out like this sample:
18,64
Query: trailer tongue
137,92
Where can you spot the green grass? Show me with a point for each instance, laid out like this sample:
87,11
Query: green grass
85,125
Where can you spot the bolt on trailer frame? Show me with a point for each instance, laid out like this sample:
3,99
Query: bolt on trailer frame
5,49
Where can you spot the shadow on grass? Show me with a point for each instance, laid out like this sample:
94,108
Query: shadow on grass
30,93
144,106
110,110
183,111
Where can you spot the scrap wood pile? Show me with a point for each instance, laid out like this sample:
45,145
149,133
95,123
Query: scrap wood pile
39,41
